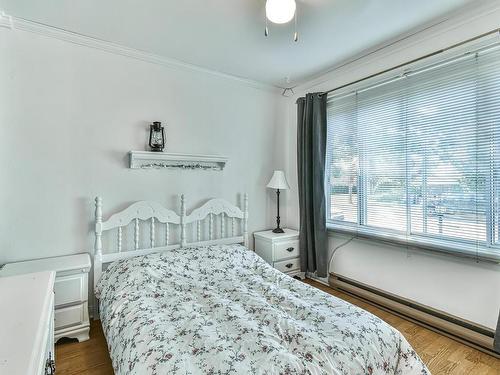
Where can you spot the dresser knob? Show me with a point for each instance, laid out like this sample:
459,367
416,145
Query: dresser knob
289,265
290,249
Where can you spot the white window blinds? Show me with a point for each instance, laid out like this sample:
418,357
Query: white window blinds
417,157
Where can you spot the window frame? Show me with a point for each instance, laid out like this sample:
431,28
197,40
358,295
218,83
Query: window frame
486,250
393,237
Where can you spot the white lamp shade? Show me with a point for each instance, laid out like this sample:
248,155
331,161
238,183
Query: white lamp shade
280,11
278,181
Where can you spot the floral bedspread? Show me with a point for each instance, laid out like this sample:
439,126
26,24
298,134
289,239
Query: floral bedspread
224,310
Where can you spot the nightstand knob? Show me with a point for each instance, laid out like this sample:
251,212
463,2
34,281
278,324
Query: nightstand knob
290,249
289,265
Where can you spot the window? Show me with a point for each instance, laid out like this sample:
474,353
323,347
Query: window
416,158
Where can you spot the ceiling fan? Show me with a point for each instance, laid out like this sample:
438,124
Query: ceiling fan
280,12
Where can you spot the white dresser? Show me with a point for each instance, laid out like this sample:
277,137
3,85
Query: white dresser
27,324
71,291
281,250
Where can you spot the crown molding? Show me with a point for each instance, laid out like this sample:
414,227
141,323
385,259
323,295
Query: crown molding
21,24
5,20
461,18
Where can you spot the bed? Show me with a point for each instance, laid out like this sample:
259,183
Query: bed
212,306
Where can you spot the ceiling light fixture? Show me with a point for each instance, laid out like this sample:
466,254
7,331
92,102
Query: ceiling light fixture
280,12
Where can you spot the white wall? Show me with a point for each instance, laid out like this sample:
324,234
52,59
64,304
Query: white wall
465,288
68,116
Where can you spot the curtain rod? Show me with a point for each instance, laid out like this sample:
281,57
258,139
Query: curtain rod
413,61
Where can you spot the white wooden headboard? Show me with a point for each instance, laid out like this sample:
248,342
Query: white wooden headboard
229,231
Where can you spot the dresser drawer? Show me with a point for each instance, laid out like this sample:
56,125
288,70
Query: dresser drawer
70,316
288,265
70,289
287,249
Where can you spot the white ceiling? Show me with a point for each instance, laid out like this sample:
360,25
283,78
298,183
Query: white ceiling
228,35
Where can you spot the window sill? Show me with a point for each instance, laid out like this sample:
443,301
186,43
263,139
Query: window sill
447,247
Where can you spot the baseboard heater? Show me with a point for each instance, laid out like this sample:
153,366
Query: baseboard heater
469,333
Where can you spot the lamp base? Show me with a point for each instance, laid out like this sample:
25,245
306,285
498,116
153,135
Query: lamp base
278,230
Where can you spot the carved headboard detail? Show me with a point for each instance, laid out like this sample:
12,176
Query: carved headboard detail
232,228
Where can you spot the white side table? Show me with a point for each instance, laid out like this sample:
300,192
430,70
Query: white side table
70,288
280,250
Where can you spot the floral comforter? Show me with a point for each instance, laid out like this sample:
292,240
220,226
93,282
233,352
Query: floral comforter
224,310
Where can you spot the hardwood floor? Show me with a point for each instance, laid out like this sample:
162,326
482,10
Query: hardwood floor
441,354
90,357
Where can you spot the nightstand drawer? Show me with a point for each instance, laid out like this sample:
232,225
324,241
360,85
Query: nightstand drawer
288,265
70,289
284,250
70,316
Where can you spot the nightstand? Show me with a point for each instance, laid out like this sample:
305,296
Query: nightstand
70,289
280,250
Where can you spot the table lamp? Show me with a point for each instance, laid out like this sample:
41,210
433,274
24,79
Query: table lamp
278,182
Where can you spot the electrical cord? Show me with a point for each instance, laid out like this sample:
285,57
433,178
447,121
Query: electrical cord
338,247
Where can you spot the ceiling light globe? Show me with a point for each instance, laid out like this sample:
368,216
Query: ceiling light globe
280,11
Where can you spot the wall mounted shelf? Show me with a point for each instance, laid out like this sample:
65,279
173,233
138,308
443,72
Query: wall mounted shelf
163,160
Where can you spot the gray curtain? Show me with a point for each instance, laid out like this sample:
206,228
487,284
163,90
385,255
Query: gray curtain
496,345
311,154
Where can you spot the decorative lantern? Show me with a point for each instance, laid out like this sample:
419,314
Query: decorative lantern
156,137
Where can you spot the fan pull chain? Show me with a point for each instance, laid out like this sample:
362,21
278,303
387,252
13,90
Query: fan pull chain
296,33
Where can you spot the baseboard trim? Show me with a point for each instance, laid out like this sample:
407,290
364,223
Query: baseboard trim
466,332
